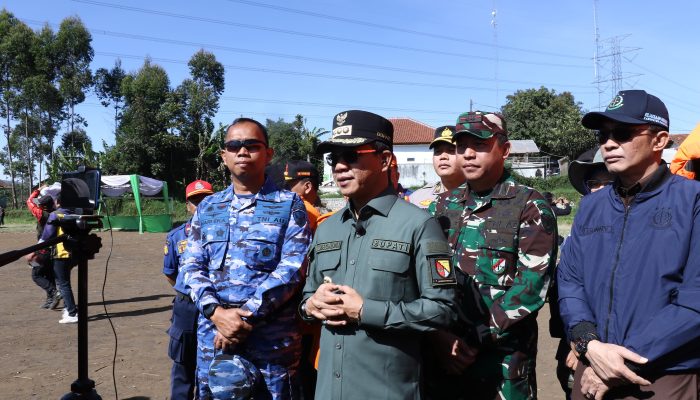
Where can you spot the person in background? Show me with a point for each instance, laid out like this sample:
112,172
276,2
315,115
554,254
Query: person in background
41,261
394,176
182,348
445,165
560,207
301,177
63,263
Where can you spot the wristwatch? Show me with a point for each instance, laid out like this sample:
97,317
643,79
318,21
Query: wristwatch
304,315
209,309
581,344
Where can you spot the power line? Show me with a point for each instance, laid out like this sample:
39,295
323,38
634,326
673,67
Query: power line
310,74
335,105
315,35
318,60
397,29
683,85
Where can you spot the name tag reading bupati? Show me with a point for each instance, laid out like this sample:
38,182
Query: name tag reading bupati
391,245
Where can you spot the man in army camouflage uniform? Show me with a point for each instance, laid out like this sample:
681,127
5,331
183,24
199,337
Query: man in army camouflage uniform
503,239
242,266
379,273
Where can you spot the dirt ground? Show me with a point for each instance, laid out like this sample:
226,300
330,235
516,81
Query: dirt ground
38,356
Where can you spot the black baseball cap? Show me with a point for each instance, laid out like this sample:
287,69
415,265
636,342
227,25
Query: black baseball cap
632,107
443,134
300,169
354,128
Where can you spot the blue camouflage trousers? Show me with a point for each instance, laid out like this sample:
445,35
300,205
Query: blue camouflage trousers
276,363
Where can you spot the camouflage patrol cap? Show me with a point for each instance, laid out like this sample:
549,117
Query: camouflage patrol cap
443,134
354,128
480,124
232,377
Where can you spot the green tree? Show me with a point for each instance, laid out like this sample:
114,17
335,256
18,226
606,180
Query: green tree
50,103
552,120
143,143
199,102
74,53
108,88
16,63
295,141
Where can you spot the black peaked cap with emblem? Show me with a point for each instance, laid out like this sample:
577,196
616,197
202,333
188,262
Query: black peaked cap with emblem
354,128
443,134
632,107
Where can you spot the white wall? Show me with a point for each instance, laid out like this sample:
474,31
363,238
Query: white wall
416,172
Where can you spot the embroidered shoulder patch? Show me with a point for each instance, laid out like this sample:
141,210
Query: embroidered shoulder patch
441,271
437,248
392,245
165,249
327,246
181,246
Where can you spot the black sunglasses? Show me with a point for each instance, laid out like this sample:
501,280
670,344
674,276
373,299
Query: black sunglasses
349,156
620,135
251,145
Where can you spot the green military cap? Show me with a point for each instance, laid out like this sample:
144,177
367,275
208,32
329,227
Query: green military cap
480,124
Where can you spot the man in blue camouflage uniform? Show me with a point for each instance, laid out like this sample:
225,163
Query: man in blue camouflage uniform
243,266
183,329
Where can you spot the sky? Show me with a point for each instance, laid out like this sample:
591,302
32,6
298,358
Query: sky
426,60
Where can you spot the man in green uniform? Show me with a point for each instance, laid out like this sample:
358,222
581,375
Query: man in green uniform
379,273
503,238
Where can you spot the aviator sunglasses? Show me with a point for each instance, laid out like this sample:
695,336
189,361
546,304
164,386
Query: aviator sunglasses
251,145
350,156
619,134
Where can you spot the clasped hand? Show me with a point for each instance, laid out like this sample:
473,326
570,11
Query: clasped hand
231,328
335,305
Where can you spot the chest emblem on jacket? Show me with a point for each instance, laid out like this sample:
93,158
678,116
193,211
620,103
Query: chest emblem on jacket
662,218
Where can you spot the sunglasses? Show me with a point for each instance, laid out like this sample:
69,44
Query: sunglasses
251,145
594,184
620,135
349,156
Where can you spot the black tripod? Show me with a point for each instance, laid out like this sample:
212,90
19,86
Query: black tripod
83,246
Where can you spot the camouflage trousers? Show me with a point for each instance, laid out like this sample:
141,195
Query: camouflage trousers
489,378
276,367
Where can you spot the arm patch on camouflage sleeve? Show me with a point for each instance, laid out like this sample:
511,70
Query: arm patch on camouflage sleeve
441,271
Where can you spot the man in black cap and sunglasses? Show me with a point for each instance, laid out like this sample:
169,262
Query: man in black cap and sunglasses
380,273
629,276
